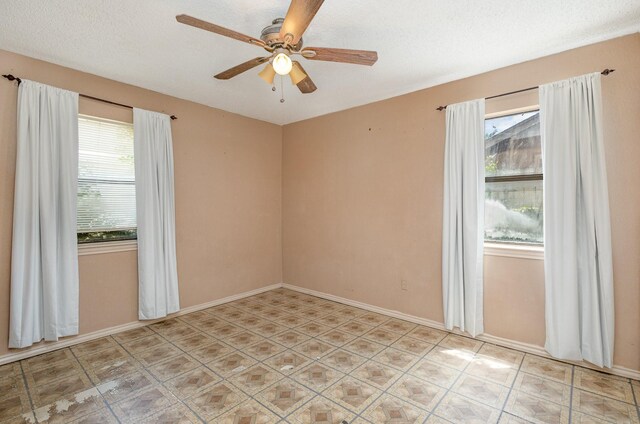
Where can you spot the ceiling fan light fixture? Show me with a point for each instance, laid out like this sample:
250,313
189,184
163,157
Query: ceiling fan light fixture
282,64
297,74
268,74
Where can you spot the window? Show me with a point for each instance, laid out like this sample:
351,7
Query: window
106,181
513,171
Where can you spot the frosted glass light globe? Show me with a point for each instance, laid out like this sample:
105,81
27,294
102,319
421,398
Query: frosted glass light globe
282,64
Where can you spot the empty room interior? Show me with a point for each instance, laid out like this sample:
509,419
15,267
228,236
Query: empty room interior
308,211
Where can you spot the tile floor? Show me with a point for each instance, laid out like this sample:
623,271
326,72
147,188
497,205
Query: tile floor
283,356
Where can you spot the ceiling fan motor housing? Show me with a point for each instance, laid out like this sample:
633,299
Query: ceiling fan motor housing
271,35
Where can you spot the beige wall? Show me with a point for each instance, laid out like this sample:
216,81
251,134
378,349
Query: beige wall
228,199
362,198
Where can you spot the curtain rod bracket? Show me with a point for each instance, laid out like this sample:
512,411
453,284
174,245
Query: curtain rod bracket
606,72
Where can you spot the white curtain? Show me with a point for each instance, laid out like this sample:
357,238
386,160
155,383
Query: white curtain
463,226
577,234
155,211
44,260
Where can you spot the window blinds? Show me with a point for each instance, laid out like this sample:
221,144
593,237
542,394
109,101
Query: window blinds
106,177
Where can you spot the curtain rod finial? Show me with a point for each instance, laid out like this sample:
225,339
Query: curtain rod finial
607,71
12,78
441,108
173,117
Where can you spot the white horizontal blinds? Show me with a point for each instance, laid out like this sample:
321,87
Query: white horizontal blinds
106,176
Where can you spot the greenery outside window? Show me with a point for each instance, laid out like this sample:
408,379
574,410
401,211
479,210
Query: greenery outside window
513,179
106,181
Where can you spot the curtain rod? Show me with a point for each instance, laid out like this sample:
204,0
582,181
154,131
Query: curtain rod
605,73
12,78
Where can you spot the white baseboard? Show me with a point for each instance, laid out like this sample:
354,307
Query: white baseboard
74,340
500,341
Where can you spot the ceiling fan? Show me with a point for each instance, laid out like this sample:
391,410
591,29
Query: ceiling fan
283,39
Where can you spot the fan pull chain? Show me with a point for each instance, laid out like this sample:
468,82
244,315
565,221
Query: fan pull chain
281,91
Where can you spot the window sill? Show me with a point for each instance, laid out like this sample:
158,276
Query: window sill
107,247
514,251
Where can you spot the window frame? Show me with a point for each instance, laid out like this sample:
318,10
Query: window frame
505,248
98,246
112,246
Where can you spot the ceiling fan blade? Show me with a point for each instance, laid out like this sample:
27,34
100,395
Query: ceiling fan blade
306,86
237,70
357,57
304,82
208,26
298,18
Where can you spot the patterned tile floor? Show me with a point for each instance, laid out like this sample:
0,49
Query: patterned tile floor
283,356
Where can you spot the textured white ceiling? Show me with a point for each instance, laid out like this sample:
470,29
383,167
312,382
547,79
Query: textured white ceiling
420,43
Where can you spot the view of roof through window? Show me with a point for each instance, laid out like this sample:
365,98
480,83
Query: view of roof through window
513,171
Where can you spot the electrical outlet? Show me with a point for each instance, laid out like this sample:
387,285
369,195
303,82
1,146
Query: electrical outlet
403,285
